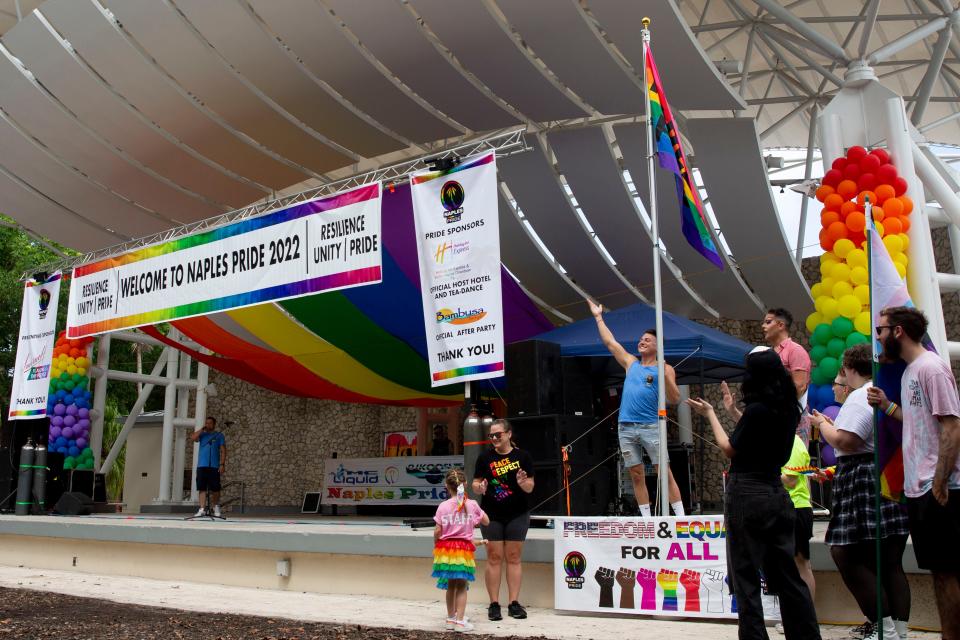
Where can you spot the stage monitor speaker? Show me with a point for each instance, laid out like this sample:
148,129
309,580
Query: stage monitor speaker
534,382
680,456
7,485
74,503
577,387
589,490
100,488
543,436
56,477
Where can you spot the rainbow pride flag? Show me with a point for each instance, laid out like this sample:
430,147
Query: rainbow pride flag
670,156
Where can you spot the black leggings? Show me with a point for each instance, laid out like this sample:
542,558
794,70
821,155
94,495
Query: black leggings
858,568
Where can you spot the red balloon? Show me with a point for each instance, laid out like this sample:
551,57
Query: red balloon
836,231
886,174
867,181
882,155
839,163
869,163
858,239
899,186
855,153
856,222
825,242
832,178
851,171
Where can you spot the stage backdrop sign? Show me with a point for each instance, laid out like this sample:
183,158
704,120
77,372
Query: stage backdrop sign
377,481
38,327
645,566
322,245
458,243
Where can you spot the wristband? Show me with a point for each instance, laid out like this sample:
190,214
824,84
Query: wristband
892,408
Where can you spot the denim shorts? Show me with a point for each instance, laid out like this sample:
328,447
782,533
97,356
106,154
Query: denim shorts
634,437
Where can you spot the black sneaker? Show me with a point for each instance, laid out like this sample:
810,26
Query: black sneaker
493,611
516,610
864,631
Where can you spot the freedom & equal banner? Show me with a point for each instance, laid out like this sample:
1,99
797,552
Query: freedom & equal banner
322,245
458,245
38,325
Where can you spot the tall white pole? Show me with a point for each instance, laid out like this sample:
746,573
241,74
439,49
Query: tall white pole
661,395
100,400
169,407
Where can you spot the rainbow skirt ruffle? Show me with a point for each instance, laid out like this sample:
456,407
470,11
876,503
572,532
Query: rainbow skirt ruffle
453,560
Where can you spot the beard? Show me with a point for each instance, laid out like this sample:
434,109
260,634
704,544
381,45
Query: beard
891,348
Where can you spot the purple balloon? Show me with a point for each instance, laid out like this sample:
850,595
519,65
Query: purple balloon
59,409
83,423
81,442
57,421
72,410
831,411
85,433
55,432
83,412
69,421
828,456
67,432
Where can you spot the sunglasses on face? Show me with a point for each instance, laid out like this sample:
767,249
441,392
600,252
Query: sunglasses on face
496,436
884,326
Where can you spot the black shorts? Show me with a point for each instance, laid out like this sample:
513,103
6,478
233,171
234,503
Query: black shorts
513,530
935,530
803,531
208,478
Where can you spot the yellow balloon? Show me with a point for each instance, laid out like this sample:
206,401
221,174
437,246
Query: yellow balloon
842,247
829,309
82,371
842,289
863,293
818,303
55,373
902,259
71,360
862,323
905,239
857,258
828,256
814,320
880,228
849,306
840,272
826,268
828,283
82,361
894,244
72,369
816,291
859,275
901,269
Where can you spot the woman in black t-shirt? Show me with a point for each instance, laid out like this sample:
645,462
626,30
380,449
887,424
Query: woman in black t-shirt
758,513
504,478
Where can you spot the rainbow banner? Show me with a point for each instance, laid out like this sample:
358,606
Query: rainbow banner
458,245
323,245
31,372
669,150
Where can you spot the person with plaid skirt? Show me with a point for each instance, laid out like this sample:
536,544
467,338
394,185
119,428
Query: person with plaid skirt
852,533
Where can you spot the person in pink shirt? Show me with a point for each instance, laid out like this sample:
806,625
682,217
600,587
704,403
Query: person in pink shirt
776,333
453,563
931,444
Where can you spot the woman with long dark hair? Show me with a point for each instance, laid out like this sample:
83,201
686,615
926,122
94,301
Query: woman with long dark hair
757,509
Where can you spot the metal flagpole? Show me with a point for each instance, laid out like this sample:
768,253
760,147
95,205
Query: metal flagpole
878,548
663,476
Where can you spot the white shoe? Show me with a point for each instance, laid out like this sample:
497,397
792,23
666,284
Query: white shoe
451,623
902,628
464,626
200,513
889,630
216,510
778,628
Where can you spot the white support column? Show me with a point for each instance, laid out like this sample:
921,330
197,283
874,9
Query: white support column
684,417
932,180
831,141
922,276
169,408
99,400
180,436
200,416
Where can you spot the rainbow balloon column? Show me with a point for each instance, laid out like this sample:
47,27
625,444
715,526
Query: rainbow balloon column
842,297
69,403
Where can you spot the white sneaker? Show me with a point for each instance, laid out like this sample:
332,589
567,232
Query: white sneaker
778,628
451,623
216,510
889,630
200,513
902,628
464,626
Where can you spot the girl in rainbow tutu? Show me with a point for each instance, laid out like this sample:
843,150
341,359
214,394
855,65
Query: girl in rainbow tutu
453,563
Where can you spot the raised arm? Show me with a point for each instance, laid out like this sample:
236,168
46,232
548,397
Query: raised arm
705,409
615,348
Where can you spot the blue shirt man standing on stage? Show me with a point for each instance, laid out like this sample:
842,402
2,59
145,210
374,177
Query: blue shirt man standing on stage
638,410
211,463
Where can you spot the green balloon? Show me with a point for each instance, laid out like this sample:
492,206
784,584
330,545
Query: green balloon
64,376
856,338
829,367
87,451
69,385
68,463
821,335
842,327
836,347
77,377
817,353
81,384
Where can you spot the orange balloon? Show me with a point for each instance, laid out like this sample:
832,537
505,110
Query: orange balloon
847,207
836,231
833,202
828,217
907,204
878,213
825,242
893,207
892,224
824,190
847,189
856,222
884,192
863,195
905,224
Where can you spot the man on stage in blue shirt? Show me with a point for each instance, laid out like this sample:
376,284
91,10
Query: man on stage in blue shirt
638,410
210,464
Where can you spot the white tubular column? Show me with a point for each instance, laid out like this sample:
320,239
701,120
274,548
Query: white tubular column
180,435
99,400
169,408
831,141
200,416
922,275
684,417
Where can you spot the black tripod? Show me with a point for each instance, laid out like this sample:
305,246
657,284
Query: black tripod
207,510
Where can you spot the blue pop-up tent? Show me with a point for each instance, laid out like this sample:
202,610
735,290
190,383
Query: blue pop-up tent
699,353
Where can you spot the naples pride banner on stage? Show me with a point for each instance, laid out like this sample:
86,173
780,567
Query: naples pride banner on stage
399,480
646,566
458,245
38,327
322,245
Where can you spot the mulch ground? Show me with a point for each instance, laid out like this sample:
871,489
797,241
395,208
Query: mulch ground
26,615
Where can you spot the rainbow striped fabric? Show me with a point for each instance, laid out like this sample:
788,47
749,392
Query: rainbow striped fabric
453,560
670,155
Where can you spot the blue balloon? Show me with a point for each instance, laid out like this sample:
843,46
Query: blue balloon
61,442
62,450
71,442
87,394
73,451
68,399
60,393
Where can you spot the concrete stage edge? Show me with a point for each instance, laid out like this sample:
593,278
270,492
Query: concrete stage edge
333,555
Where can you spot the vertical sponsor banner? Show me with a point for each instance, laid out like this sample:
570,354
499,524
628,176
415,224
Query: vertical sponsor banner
458,243
646,566
31,373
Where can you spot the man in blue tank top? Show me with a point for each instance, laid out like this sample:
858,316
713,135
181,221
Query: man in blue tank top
638,409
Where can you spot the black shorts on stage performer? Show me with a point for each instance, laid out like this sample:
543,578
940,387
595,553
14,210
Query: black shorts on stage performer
208,478
803,531
935,530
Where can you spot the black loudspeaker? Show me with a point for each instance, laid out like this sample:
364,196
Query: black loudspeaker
543,436
56,478
577,387
534,382
7,486
74,503
680,456
100,488
589,490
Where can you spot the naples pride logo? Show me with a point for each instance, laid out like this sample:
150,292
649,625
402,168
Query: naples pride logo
452,196
574,565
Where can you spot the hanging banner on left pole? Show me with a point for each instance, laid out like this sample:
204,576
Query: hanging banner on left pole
38,326
322,245
458,243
